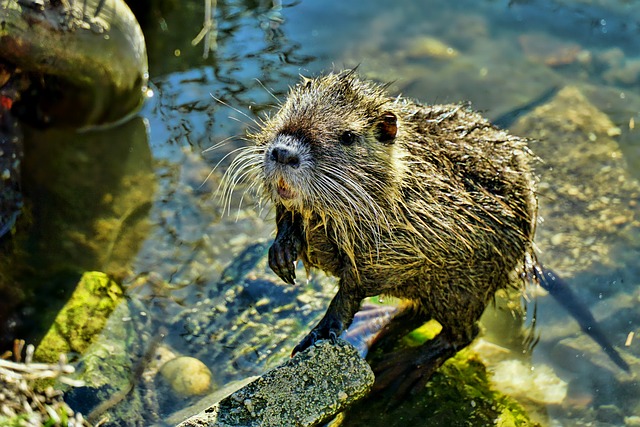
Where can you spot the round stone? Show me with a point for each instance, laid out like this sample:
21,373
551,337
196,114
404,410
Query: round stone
187,376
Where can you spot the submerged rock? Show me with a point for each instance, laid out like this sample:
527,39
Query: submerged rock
428,47
551,51
111,367
250,322
588,201
88,59
627,74
187,376
538,384
306,390
591,224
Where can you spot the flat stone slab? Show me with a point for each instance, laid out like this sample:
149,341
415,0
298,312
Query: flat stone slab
307,390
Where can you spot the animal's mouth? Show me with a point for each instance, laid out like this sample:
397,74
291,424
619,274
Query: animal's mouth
284,190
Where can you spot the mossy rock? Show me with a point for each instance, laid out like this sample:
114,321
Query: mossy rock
458,394
82,318
111,366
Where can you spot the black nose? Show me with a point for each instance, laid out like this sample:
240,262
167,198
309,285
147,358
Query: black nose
285,156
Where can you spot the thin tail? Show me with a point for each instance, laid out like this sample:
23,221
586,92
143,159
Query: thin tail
561,291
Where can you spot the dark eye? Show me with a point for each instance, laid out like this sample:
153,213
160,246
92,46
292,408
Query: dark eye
347,138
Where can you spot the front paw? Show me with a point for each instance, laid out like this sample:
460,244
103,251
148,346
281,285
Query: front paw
282,259
327,329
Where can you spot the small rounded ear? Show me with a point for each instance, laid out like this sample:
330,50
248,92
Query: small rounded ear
306,82
387,127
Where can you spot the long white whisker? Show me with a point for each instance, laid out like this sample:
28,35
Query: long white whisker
219,144
231,182
252,119
218,164
235,160
268,91
235,119
244,164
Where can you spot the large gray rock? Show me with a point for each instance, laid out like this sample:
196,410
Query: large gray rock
306,390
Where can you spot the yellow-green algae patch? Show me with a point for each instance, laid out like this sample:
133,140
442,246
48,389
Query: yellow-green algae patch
422,334
82,318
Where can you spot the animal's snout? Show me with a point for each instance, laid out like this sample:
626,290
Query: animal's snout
285,156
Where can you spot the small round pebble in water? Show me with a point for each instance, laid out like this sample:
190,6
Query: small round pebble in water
187,376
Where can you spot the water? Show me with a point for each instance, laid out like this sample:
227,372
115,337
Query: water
136,201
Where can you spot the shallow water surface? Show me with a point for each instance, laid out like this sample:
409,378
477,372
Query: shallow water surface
137,201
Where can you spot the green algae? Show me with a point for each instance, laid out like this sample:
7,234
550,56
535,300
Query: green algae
461,392
458,394
82,318
422,334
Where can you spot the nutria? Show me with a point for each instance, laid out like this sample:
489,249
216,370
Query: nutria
431,204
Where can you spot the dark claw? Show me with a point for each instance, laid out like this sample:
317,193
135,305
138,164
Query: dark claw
282,261
283,253
307,342
330,327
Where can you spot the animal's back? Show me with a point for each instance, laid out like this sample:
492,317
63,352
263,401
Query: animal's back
466,212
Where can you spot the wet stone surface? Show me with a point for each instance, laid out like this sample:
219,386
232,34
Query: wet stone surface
308,389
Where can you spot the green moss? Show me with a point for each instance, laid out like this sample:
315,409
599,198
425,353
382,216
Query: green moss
461,391
458,394
82,317
22,420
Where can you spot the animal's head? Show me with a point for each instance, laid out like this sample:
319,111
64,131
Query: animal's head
330,147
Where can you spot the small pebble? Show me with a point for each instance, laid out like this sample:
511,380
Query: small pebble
187,376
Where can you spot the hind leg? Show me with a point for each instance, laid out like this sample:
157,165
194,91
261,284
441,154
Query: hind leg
406,320
407,371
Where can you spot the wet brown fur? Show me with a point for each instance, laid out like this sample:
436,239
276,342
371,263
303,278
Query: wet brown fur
437,208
